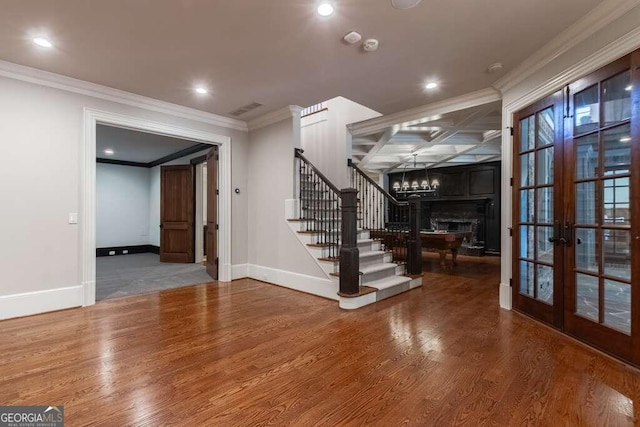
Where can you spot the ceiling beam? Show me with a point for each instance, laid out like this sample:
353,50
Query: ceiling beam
474,99
460,126
386,137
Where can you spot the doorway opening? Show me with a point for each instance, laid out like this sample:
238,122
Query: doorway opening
147,209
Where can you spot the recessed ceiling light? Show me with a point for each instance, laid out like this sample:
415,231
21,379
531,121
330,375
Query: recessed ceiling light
109,152
405,4
628,88
201,90
431,85
325,9
42,42
625,139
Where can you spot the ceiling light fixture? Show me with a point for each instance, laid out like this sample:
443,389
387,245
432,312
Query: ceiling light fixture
201,91
325,9
405,4
109,152
431,85
370,45
625,139
42,42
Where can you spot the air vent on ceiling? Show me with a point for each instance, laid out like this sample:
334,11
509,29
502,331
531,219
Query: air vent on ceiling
240,111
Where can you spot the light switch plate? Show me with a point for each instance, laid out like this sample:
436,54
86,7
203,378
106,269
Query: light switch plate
73,218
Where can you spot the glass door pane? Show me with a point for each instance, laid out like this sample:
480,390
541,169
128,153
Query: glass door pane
599,284
536,189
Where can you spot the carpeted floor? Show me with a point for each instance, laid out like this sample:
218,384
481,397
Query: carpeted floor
122,275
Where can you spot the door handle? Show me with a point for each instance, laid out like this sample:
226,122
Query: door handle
557,233
568,233
161,226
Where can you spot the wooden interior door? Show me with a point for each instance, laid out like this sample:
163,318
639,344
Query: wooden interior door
602,275
537,194
211,239
177,214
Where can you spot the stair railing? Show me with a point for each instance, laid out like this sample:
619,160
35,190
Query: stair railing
396,223
330,214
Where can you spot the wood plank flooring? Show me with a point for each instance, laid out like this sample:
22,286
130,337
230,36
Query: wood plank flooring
249,353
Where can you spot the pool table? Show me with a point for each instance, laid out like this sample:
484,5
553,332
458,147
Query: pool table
443,242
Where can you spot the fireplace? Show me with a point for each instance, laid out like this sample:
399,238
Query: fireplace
468,216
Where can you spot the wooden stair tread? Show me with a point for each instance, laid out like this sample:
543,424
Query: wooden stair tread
364,290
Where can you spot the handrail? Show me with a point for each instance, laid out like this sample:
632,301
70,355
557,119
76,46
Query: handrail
384,192
316,170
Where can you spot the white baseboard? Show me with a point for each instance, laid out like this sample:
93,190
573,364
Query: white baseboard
326,288
505,296
239,271
26,304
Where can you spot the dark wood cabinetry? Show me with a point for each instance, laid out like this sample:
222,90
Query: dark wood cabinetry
468,199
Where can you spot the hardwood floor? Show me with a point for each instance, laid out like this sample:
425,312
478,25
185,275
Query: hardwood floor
248,353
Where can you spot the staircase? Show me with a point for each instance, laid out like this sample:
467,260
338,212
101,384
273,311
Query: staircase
319,227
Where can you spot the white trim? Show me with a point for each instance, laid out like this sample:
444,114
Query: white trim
321,116
88,189
598,18
26,304
505,296
357,302
274,117
473,99
57,81
239,271
325,288
622,46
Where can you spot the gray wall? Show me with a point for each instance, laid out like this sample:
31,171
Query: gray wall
122,205
41,189
271,176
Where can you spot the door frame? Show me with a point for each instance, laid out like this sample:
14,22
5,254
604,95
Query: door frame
92,118
512,104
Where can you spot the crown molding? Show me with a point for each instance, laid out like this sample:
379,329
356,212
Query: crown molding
607,54
69,84
274,117
469,100
597,19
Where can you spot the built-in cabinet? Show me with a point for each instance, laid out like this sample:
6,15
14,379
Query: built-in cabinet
576,235
466,199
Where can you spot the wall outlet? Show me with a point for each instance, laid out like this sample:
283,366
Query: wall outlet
125,251
112,252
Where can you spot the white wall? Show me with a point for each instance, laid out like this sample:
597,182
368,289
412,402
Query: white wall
271,174
39,191
122,205
326,141
154,196
552,77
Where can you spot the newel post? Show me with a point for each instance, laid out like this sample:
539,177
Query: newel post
349,253
414,244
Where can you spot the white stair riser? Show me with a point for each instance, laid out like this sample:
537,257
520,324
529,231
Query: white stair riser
323,252
377,275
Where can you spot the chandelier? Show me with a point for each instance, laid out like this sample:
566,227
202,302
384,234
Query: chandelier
424,187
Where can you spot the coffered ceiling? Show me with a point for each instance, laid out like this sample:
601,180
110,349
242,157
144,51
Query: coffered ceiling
467,136
280,52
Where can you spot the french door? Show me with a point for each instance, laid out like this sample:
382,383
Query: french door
577,217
